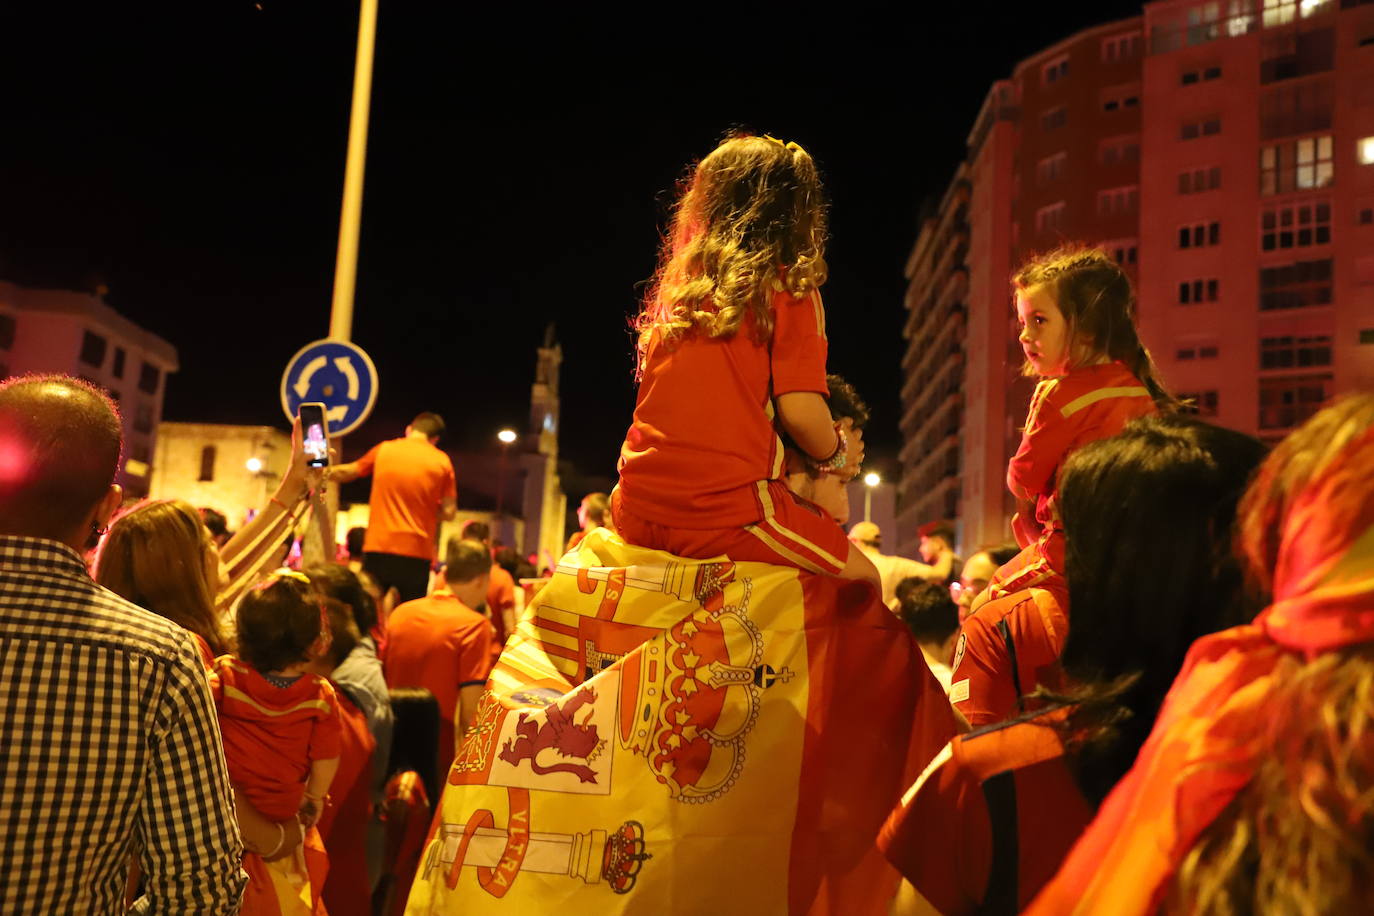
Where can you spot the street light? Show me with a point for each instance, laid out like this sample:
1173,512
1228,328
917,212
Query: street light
253,464
871,480
507,436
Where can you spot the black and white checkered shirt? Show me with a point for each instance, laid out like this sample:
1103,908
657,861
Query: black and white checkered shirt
107,734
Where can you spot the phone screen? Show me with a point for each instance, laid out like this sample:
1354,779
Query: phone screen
316,435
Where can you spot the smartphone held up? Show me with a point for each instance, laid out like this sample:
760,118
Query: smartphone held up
314,434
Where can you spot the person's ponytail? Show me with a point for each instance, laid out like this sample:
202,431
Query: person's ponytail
1142,366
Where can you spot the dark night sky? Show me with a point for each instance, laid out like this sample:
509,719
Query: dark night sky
518,173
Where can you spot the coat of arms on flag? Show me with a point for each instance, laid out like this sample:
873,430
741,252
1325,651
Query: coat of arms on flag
666,735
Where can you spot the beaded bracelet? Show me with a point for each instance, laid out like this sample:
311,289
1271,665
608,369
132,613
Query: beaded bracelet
840,457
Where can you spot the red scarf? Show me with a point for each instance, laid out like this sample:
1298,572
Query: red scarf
1204,748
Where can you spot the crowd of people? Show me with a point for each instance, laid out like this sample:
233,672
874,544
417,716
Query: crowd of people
1162,687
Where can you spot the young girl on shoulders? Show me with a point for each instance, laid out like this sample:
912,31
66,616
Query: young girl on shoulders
1076,310
731,345
281,733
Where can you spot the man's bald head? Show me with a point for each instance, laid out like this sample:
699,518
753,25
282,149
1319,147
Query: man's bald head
60,441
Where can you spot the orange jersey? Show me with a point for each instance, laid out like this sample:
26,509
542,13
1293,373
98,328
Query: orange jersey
272,734
440,644
1007,647
410,478
1086,405
500,601
344,822
703,445
990,820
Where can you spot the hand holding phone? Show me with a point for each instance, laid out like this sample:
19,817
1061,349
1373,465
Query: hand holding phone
314,434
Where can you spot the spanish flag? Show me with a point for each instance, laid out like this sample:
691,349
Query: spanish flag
664,735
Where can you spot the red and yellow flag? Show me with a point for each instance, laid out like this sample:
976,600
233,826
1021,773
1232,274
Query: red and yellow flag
664,735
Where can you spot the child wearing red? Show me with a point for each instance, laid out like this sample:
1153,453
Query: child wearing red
1076,309
732,345
281,734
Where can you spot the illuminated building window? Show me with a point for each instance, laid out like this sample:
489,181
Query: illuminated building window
1199,235
1191,292
1302,284
1115,98
1195,181
1295,226
1295,352
1117,200
93,349
1051,168
1121,47
1054,118
1051,218
6,331
1287,402
1200,403
1204,127
1115,150
1055,70
207,463
1364,150
1296,165
148,379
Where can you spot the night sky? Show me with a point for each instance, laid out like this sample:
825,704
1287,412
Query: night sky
519,170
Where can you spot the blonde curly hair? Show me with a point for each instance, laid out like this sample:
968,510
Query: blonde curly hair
751,218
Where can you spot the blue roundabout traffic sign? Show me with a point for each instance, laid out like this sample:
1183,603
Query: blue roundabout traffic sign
336,373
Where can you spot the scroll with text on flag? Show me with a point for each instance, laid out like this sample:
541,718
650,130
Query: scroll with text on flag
667,735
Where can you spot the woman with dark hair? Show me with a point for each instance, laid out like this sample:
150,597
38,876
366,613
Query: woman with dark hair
1148,516
1253,792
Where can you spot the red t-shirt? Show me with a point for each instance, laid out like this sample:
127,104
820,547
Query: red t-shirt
272,734
344,822
983,686
703,441
1007,782
410,478
440,644
1087,404
500,602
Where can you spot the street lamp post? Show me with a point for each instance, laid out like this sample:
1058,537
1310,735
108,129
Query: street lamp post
507,436
871,480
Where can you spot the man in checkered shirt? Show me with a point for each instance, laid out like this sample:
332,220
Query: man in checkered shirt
108,737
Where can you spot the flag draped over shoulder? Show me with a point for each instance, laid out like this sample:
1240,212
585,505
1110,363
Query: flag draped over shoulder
664,735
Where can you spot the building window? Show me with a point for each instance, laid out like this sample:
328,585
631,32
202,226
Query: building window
1200,403
1286,402
1196,181
1051,168
207,463
1296,165
93,349
1295,352
1196,351
1302,284
1367,335
143,419
148,378
1121,47
1191,292
1051,218
1199,235
1295,225
1122,250
1306,107
1202,127
117,368
7,327
1117,200
1055,70
1205,74
1119,149
1054,118
1364,150
1366,216
1289,54
1115,98
1282,12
